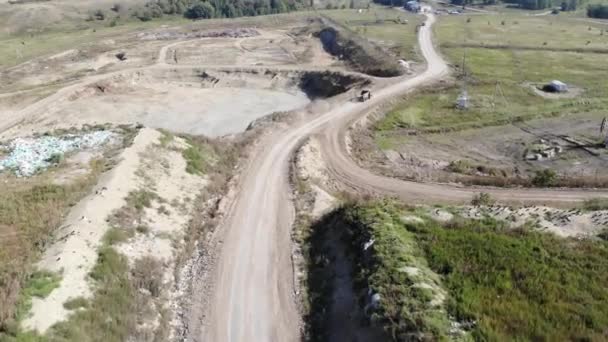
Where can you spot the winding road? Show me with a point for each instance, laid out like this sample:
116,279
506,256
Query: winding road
253,294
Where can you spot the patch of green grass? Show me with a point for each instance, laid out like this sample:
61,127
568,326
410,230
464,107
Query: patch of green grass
76,303
39,284
110,315
117,235
519,284
140,199
594,204
166,138
199,157
30,211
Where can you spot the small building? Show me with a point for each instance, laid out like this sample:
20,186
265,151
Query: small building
463,100
556,86
413,6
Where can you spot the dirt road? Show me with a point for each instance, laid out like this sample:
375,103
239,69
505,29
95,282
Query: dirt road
253,296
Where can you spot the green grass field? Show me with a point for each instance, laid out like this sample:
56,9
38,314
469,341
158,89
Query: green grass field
17,48
498,79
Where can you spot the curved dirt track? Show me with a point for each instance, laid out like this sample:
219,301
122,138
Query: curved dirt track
253,294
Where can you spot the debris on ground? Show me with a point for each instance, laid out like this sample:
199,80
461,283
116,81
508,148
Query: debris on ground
27,156
543,150
228,33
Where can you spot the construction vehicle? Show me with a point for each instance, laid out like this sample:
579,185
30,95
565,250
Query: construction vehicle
365,95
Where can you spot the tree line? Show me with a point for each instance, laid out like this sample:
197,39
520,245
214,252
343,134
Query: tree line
564,5
598,11
205,9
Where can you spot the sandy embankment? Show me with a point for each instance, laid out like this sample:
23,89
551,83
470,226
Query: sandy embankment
74,252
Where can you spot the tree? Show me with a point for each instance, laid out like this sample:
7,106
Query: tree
202,10
352,4
597,11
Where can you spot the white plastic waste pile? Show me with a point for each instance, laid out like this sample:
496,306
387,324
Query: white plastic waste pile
26,156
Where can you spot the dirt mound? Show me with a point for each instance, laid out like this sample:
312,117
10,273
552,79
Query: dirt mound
228,33
360,54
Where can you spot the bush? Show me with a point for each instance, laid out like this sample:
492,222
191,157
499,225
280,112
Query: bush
544,178
202,10
147,274
482,198
99,15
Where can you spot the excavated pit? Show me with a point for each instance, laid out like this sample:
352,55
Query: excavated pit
197,101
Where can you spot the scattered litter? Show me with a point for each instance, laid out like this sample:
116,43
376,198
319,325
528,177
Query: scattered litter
368,244
26,156
228,33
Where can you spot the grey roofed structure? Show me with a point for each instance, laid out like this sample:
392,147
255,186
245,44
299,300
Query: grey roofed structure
558,86
413,6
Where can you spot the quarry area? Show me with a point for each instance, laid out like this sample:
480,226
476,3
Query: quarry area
348,172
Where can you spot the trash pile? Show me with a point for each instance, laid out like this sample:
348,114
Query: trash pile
26,156
228,33
543,150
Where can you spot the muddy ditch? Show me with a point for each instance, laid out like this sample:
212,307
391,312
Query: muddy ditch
358,53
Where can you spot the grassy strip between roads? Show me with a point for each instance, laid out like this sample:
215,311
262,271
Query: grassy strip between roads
500,283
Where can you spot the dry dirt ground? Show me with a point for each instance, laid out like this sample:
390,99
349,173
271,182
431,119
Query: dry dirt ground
147,87
427,156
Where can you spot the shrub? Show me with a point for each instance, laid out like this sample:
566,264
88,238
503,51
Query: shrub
482,198
147,274
544,178
99,15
